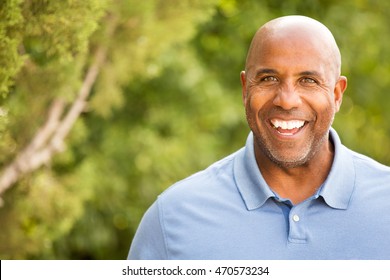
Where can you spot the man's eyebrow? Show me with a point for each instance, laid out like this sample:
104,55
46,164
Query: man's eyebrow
266,71
263,71
309,73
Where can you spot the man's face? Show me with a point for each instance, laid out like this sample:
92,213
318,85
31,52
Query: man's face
291,93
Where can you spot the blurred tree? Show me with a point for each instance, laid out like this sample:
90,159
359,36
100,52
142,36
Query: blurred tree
10,60
56,39
166,103
49,50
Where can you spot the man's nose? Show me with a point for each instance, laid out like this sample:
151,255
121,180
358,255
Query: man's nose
287,97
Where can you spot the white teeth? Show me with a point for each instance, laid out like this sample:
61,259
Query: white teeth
287,124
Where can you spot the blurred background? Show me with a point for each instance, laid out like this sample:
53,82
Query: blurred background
106,103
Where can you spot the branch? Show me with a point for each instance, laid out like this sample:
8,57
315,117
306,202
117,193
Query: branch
49,139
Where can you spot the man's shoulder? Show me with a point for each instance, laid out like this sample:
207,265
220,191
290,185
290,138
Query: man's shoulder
370,171
368,164
215,179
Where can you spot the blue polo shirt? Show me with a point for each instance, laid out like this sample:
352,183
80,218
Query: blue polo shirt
228,211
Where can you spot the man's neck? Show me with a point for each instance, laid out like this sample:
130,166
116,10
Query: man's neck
297,183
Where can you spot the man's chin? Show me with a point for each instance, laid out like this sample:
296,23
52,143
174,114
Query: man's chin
287,159
289,162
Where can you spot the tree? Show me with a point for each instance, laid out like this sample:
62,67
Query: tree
58,41
49,46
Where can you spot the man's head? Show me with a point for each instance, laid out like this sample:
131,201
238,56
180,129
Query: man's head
292,89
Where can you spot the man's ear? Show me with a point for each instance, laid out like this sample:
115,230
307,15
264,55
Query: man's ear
243,85
339,90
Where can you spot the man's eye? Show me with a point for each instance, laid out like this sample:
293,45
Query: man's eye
309,81
269,79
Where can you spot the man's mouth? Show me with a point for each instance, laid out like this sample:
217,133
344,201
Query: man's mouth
287,128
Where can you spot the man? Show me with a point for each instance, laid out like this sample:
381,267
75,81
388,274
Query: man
294,191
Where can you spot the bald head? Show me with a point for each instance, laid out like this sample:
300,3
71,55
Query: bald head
295,32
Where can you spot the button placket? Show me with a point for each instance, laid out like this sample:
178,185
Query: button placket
297,233
295,218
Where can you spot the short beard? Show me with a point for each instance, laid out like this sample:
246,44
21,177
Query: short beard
285,163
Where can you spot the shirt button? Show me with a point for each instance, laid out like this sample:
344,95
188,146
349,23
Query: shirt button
295,218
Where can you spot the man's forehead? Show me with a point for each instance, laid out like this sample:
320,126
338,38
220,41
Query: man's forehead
293,36
298,56
292,42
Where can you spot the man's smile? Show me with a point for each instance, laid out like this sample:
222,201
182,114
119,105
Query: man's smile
287,127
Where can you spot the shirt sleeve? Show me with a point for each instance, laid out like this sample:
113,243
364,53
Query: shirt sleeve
149,241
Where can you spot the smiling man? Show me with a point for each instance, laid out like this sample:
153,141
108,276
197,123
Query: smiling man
292,89
294,191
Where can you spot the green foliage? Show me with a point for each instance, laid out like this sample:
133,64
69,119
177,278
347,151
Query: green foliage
167,104
146,29
10,39
65,27
51,38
